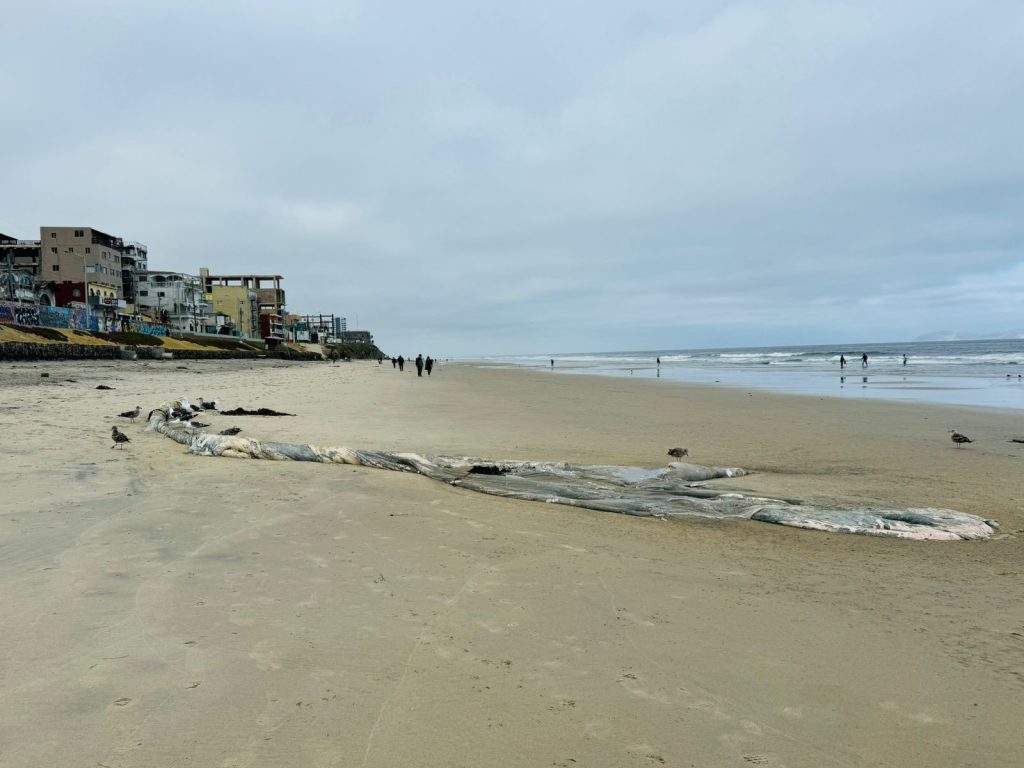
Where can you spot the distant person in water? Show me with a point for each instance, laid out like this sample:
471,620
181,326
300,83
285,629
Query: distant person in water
419,365
401,363
904,359
659,360
552,363
429,364
842,361
864,360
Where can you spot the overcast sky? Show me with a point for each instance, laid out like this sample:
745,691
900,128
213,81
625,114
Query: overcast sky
484,178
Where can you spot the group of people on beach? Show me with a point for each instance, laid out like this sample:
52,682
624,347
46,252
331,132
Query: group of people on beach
421,364
863,360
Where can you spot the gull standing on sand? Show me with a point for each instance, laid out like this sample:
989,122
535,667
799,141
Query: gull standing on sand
133,415
678,452
119,437
958,438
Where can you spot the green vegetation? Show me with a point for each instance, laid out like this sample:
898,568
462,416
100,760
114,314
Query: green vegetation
46,333
232,343
355,351
129,338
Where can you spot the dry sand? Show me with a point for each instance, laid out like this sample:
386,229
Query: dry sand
161,609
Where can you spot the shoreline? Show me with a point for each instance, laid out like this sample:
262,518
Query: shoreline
282,613
891,385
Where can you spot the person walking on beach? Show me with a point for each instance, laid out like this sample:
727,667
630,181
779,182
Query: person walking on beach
864,360
401,363
842,361
429,364
394,363
419,365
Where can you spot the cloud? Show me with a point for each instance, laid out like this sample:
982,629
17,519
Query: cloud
474,178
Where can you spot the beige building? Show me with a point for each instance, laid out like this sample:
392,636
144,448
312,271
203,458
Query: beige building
65,252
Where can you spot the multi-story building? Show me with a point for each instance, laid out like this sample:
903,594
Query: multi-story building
19,264
134,259
175,299
269,297
82,259
239,305
22,255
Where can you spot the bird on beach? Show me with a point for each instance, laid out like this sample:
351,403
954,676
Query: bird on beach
208,406
231,431
958,438
133,415
119,437
678,452
197,424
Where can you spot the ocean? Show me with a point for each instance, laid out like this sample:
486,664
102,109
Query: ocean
972,373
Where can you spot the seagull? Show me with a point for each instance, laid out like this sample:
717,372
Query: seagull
231,431
119,437
958,438
133,415
213,406
678,452
197,424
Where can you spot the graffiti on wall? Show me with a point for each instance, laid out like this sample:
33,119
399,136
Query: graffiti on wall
74,318
18,314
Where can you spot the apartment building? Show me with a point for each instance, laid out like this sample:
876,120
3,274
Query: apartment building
134,260
174,298
19,263
238,304
21,255
82,255
269,296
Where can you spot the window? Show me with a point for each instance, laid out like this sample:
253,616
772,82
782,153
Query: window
71,250
79,233
143,279
53,249
53,234
143,293
56,267
88,250
161,294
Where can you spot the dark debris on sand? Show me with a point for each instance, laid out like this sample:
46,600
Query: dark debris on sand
257,412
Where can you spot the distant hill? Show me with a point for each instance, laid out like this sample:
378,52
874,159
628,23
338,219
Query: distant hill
964,336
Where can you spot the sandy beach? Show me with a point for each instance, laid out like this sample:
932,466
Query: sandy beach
162,609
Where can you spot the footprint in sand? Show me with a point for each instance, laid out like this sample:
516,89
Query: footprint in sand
123,701
265,656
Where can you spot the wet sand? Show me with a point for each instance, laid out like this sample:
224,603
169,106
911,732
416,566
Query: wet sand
162,609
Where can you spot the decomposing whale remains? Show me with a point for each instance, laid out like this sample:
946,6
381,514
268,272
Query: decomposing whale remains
672,491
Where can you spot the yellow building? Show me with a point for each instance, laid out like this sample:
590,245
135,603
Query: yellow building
238,303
